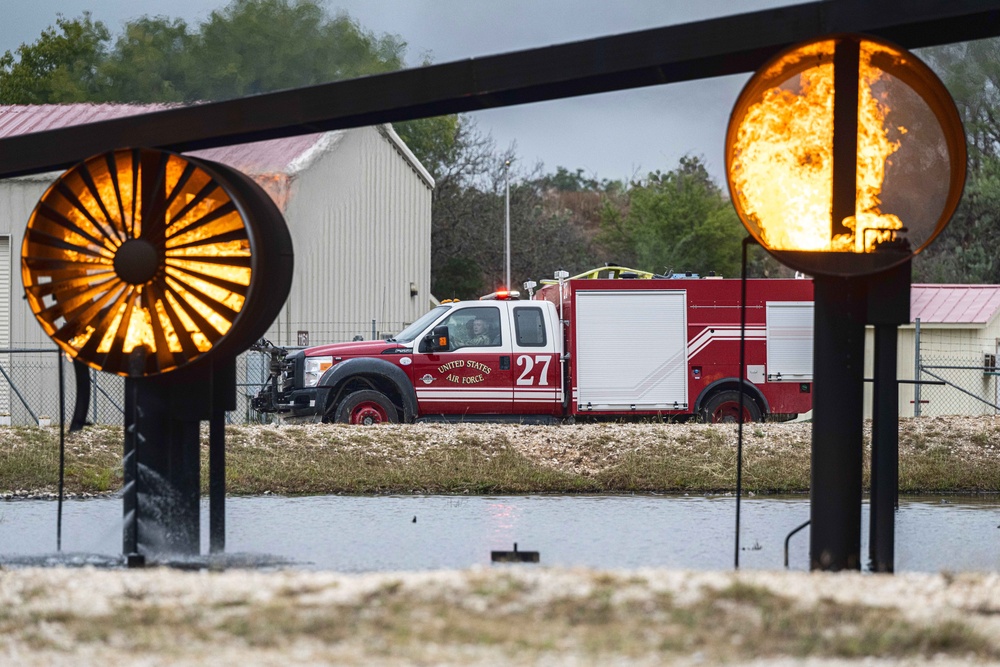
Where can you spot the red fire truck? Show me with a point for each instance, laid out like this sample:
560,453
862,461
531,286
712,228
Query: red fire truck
610,344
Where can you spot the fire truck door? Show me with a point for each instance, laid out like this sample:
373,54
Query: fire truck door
474,376
535,362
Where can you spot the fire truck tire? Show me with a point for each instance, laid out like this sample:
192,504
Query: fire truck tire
366,407
724,407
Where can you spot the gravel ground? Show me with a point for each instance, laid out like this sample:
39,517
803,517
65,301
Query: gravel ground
494,616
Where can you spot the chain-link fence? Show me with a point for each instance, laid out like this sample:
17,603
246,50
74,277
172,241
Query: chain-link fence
29,389
304,334
29,379
251,374
965,361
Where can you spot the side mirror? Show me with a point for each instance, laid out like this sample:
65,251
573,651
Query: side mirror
438,340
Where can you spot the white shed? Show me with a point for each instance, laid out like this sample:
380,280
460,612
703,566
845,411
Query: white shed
357,203
958,342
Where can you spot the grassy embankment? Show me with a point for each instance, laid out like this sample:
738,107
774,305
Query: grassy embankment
939,455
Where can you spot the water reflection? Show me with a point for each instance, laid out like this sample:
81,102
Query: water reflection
503,520
354,534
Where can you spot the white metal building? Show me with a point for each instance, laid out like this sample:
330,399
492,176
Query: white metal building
958,342
357,203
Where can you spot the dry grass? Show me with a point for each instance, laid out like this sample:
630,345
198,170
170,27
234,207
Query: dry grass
494,616
947,454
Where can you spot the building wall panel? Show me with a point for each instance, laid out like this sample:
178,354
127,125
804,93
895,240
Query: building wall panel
360,224
953,352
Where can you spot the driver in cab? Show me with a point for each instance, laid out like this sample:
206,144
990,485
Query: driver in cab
476,334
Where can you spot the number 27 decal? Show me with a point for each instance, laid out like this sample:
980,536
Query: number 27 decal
529,376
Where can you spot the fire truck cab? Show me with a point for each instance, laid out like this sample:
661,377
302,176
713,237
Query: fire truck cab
588,347
474,360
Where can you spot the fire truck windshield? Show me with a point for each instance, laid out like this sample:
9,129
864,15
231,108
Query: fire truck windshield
409,333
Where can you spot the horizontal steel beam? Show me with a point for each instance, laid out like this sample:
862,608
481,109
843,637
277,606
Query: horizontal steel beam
716,47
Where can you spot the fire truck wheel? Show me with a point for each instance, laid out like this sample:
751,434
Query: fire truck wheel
724,407
366,407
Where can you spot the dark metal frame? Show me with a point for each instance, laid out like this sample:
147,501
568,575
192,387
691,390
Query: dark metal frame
702,49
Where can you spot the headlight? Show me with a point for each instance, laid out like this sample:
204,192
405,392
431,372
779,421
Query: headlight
314,368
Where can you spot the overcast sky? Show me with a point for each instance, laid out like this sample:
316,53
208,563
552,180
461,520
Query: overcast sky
614,135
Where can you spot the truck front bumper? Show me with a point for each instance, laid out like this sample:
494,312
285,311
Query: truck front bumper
295,403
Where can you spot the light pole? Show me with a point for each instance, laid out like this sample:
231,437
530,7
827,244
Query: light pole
506,178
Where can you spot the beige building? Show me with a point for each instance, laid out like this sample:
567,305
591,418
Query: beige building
957,342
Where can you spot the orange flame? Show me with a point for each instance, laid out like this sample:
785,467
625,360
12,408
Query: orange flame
782,165
193,299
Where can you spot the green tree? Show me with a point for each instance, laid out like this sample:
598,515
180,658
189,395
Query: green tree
963,253
63,65
467,257
466,216
971,72
677,220
434,141
566,181
150,62
257,46
246,48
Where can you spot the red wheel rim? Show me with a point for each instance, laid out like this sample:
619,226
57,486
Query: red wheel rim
369,413
729,412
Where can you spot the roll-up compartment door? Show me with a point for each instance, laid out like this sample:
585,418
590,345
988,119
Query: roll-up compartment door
631,349
789,341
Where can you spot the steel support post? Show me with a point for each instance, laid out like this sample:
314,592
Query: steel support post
888,308
168,461
223,398
917,374
838,412
130,475
838,354
846,59
162,432
217,482
81,375
885,450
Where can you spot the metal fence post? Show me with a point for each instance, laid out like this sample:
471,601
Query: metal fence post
916,367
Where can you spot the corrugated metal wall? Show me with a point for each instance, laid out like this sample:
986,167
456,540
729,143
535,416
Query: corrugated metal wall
6,270
18,197
34,375
958,345
360,219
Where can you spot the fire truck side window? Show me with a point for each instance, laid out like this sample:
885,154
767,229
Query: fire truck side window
529,327
474,327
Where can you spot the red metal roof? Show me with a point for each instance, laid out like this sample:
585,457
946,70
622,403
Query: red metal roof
274,156
18,119
954,304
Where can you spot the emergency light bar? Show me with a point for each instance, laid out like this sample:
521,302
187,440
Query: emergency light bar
502,294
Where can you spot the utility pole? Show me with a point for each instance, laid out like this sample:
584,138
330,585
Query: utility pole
506,178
